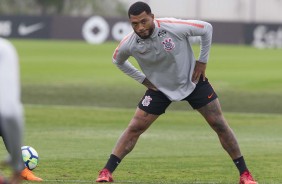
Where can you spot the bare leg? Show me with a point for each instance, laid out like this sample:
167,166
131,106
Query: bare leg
213,114
140,122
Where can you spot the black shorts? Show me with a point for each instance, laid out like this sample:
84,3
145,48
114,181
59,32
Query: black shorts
155,102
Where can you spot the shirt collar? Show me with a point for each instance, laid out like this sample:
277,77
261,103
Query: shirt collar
156,30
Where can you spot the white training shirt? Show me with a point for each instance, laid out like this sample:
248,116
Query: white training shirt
166,58
11,110
9,79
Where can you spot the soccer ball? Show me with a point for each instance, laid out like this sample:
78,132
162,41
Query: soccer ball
30,157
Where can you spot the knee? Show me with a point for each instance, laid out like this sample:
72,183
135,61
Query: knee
220,128
135,130
219,124
137,126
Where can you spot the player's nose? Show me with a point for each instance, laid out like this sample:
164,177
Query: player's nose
141,29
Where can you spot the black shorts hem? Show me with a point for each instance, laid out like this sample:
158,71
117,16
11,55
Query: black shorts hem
198,106
150,112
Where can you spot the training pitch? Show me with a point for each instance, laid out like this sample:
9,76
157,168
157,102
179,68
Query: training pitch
77,103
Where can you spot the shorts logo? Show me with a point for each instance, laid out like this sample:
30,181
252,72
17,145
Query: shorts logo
168,44
146,101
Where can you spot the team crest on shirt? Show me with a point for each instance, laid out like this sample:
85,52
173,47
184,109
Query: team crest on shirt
168,44
146,101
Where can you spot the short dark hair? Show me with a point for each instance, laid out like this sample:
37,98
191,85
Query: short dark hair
138,7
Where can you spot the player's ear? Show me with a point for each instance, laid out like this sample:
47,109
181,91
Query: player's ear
153,16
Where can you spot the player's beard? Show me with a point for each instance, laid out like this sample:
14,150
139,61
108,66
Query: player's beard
150,32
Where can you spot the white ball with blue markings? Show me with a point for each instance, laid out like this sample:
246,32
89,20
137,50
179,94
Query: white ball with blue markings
30,157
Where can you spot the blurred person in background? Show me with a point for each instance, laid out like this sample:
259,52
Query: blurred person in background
11,114
171,73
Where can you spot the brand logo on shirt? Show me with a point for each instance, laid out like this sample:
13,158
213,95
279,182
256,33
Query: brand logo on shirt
140,41
168,44
146,101
162,33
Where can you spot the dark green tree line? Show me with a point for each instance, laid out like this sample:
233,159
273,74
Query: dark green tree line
62,7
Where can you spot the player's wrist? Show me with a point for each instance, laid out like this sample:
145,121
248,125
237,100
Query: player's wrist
202,61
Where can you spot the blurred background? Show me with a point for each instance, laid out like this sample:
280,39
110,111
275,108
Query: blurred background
251,22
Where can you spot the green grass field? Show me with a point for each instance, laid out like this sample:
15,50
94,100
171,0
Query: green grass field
77,104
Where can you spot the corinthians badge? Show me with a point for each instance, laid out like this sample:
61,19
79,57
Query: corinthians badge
168,44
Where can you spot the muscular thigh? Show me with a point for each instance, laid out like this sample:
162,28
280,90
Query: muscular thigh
142,120
212,112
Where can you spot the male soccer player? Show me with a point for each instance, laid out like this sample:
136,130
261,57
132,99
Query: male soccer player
171,73
11,112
